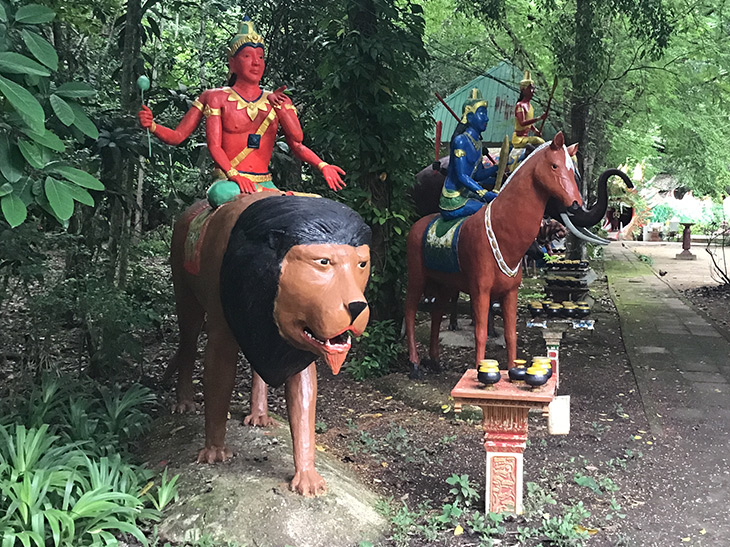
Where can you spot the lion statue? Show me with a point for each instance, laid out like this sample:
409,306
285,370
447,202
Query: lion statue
283,278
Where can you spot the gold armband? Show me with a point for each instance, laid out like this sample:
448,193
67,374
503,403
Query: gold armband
197,104
153,128
208,111
232,173
481,192
322,164
459,153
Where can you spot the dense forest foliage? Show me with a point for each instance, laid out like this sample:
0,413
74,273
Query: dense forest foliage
643,82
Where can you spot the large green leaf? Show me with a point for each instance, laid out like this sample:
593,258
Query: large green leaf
32,14
11,162
3,15
83,122
13,209
78,193
62,110
15,63
60,198
6,189
75,90
40,48
77,176
48,139
24,103
32,153
24,189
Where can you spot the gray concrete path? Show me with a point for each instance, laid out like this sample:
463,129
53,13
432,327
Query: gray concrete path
682,367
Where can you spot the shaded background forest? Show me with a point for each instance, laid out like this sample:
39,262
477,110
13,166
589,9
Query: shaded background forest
638,82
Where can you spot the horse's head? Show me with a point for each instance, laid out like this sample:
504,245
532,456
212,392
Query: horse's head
555,172
563,205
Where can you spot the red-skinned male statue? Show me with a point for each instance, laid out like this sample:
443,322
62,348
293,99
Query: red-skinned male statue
242,121
279,276
524,116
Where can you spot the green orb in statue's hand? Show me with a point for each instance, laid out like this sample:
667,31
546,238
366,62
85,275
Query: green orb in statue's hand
143,82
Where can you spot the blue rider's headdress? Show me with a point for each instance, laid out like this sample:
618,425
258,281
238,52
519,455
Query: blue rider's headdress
474,102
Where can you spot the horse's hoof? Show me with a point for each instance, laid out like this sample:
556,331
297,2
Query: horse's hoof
416,372
431,365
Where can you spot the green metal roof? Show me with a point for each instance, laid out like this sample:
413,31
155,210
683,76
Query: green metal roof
500,86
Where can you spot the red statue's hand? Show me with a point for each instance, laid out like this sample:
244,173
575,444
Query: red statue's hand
246,186
544,116
145,117
278,98
332,174
537,131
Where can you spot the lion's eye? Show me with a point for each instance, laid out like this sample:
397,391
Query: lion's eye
554,166
363,264
323,261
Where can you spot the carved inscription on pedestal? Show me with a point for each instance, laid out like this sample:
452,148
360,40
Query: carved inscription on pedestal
503,484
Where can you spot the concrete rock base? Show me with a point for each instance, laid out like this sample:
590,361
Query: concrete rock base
247,500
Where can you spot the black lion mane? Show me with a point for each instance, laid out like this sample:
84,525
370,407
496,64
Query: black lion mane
251,268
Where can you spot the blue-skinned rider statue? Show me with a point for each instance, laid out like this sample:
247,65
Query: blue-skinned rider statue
462,194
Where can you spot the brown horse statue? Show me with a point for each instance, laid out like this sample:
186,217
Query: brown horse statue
492,242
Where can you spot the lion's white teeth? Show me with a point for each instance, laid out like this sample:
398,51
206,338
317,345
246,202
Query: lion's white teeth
313,337
341,346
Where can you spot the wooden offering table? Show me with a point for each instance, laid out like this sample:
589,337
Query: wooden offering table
505,407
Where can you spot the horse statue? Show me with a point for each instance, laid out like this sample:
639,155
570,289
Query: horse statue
490,245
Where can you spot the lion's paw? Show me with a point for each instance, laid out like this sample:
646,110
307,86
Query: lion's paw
214,454
258,420
185,406
308,483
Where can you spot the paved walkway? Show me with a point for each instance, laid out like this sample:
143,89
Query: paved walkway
682,368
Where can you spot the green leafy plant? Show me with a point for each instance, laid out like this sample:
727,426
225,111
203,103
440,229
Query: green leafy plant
462,490
587,482
489,525
378,348
536,499
41,114
64,479
565,530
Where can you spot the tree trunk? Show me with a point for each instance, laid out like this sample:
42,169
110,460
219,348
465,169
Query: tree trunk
363,18
584,65
139,202
129,104
583,69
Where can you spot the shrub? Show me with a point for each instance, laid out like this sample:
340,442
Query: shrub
378,347
64,477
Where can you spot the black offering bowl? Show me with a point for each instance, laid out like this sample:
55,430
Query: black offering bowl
536,309
517,373
535,377
554,310
488,378
488,372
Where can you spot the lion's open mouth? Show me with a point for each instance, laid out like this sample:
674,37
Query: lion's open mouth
337,344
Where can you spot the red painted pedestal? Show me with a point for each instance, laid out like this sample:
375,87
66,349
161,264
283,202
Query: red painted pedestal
505,408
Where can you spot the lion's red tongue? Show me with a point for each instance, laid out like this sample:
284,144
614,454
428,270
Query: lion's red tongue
335,360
